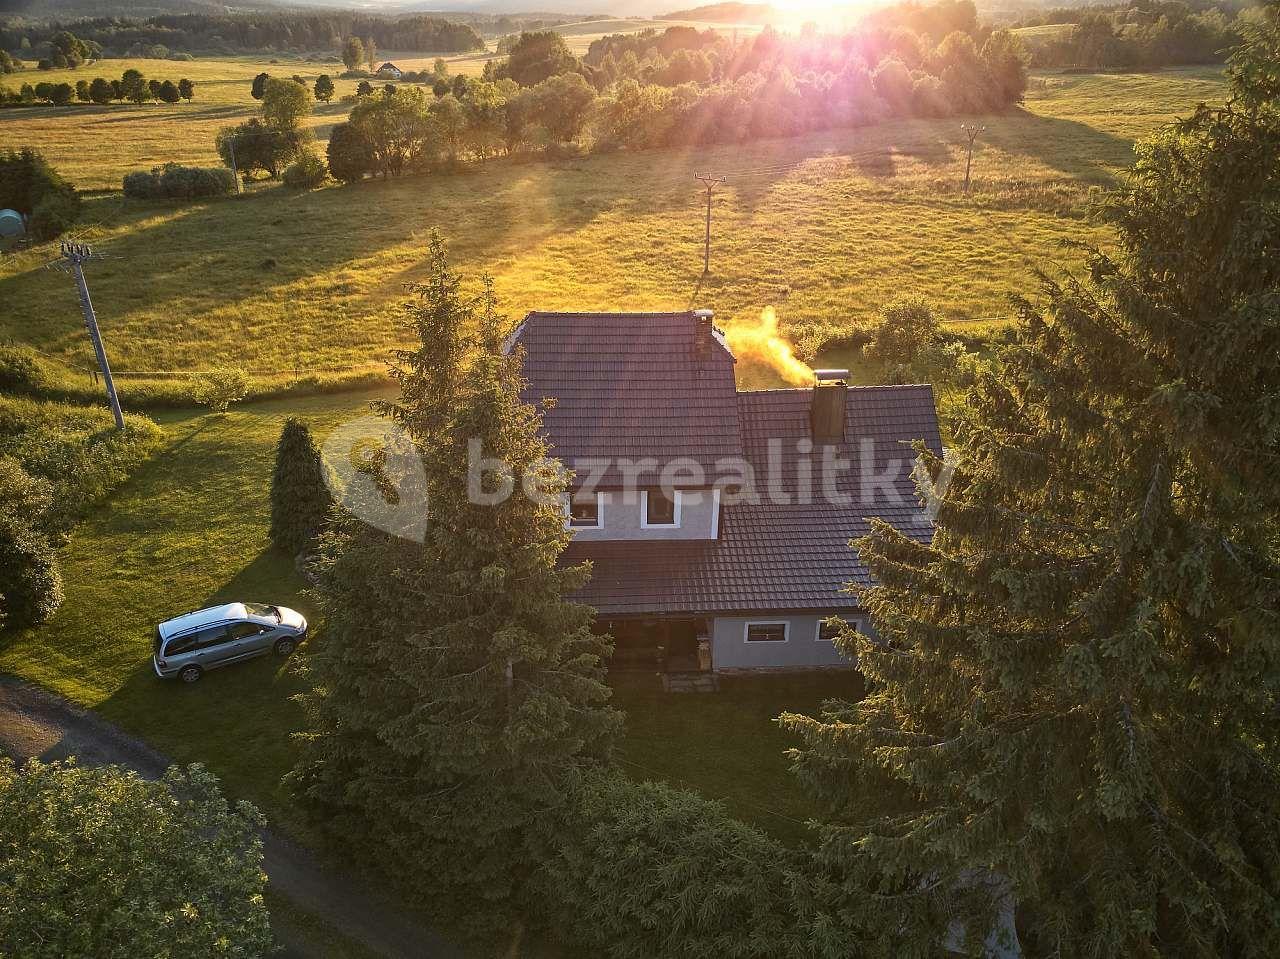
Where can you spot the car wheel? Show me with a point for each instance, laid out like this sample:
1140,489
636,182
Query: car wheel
285,646
190,674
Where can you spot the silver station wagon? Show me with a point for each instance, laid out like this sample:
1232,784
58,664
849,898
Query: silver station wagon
187,645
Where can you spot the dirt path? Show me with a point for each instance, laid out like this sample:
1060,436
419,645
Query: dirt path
34,722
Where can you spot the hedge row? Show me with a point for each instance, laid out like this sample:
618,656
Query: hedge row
23,373
175,182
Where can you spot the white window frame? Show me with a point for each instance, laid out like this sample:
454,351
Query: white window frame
568,516
677,497
784,623
855,621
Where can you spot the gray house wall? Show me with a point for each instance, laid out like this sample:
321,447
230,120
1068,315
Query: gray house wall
623,518
730,650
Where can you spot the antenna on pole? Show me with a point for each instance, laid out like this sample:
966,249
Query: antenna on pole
973,133
711,182
74,256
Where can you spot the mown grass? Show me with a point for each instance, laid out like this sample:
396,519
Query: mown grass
827,228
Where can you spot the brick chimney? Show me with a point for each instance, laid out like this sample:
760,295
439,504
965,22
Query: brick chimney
703,337
826,411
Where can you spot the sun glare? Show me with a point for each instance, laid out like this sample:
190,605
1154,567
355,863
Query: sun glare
796,13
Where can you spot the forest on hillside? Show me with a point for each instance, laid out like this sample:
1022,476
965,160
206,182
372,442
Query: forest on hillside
251,32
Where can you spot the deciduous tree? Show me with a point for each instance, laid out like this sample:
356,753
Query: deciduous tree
324,88
352,53
99,862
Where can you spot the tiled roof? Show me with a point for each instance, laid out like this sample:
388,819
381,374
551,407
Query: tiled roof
775,555
631,385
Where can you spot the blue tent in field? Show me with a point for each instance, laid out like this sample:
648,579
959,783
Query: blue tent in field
11,224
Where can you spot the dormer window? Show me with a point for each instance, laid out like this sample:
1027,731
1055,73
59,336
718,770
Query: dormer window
584,511
660,508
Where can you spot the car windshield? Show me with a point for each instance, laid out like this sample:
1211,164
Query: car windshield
262,609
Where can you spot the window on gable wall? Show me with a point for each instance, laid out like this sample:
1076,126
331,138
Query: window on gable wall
584,511
660,509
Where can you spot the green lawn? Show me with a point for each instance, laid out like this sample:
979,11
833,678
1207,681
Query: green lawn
828,228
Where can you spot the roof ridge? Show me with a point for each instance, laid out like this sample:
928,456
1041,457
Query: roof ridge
858,388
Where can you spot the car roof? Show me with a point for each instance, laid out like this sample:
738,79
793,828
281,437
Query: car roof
205,617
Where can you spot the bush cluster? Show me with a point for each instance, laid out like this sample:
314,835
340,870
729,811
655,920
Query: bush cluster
306,173
175,182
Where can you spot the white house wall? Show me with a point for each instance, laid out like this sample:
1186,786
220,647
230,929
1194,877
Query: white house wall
623,519
730,650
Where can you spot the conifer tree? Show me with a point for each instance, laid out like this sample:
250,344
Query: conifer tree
300,499
455,688
1074,703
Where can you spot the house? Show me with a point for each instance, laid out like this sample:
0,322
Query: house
717,521
389,71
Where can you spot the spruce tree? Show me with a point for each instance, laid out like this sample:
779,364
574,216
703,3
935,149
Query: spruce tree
455,688
1074,690
300,499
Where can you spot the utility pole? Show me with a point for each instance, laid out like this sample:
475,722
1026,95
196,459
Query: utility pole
972,133
74,256
231,145
711,182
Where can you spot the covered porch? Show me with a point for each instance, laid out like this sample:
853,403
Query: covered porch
663,644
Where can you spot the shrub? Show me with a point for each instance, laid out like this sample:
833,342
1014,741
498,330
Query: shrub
350,153
307,173
300,498
219,388
20,371
642,870
907,329
175,182
30,587
75,450
54,215
100,862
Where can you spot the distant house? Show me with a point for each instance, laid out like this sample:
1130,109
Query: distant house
735,556
389,71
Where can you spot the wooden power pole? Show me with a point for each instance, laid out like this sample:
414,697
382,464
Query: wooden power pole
711,182
972,132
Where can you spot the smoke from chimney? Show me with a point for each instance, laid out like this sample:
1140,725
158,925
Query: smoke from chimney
762,344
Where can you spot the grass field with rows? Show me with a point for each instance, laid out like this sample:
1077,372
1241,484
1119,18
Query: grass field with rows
827,227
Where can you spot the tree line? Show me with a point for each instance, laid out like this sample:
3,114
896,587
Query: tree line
1139,36
132,86
540,99
255,32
